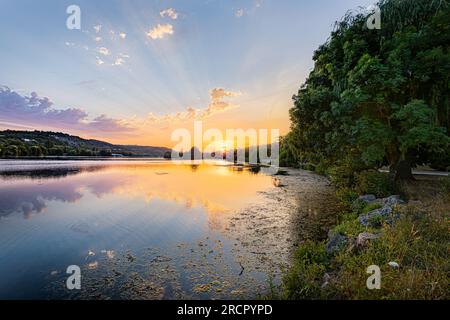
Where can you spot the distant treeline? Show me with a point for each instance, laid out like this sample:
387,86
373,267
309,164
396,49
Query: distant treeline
15,144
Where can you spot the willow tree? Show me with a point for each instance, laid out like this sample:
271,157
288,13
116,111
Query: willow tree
379,97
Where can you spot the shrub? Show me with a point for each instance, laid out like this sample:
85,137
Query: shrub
419,243
373,182
346,196
322,168
350,228
342,176
308,166
304,279
360,206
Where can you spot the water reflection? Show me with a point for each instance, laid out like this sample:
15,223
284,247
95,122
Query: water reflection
31,198
45,173
215,188
74,209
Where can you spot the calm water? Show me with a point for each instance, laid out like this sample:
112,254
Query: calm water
137,229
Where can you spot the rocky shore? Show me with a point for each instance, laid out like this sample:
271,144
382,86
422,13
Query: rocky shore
302,206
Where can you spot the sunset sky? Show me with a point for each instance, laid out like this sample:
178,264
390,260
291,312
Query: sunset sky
138,69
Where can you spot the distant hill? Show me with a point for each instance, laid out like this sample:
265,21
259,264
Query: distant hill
46,143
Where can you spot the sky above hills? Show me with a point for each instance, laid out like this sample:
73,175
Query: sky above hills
138,69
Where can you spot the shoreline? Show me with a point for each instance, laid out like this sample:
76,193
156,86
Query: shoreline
302,208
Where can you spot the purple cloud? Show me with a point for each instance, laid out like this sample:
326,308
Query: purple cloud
36,111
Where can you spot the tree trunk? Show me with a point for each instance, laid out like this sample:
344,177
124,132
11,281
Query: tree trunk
401,171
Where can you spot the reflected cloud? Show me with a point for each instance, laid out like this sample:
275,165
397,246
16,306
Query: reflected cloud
32,198
215,189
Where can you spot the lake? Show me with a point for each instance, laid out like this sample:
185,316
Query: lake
141,229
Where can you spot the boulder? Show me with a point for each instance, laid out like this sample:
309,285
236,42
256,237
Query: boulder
392,201
367,198
336,242
375,217
364,237
394,265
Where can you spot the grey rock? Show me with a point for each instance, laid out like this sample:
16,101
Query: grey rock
394,265
336,242
375,217
367,198
364,237
392,201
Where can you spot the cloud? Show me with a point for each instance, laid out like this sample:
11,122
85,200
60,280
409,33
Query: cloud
99,61
38,112
216,105
160,31
239,13
218,94
32,199
118,62
104,51
105,124
170,12
34,112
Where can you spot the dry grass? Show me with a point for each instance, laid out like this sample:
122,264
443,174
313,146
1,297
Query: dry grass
419,242
428,194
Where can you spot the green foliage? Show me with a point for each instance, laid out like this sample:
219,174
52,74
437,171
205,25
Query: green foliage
11,151
358,206
306,275
440,161
350,228
342,176
377,97
349,225
418,242
346,196
351,182
373,182
288,152
370,207
35,144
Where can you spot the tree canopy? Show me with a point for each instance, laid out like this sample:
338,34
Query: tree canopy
377,97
